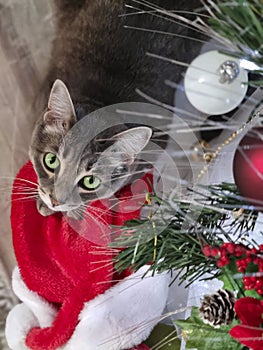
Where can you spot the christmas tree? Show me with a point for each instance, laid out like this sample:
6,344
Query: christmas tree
214,228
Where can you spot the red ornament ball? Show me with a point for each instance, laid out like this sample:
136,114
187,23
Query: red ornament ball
248,167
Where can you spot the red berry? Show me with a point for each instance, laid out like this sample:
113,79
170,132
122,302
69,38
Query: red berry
242,263
231,248
221,263
241,269
260,265
259,283
249,282
207,250
227,261
246,280
240,250
224,260
225,246
214,252
248,260
253,251
249,287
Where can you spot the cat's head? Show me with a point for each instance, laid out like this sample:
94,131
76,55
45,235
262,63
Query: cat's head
71,172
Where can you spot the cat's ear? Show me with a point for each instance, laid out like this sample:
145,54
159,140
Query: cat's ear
61,112
131,142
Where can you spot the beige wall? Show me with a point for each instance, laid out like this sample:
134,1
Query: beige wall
26,30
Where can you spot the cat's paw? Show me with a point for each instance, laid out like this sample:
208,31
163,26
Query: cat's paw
43,209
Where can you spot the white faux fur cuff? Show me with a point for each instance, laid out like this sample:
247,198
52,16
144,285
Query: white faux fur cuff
118,319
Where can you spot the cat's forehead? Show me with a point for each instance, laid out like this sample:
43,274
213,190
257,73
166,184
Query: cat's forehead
76,157
46,139
94,156
82,145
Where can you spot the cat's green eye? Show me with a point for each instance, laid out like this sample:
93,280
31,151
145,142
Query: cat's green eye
90,182
51,161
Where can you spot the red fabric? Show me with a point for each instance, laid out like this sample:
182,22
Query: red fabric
63,263
250,333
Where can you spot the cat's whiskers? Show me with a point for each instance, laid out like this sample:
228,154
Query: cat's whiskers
22,186
25,198
12,178
26,193
105,252
78,212
27,181
101,261
118,202
95,219
18,189
139,327
161,13
100,211
109,275
82,208
166,340
170,336
132,196
102,267
15,189
31,190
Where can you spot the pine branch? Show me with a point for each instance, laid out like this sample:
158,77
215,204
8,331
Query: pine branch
176,241
240,22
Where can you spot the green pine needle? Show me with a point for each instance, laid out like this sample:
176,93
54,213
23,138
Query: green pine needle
178,247
240,22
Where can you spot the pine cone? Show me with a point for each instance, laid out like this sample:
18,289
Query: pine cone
218,309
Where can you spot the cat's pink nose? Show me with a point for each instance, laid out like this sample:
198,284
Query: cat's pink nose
54,201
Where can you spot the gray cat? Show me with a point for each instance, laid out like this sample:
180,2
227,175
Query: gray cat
103,63
101,166
96,62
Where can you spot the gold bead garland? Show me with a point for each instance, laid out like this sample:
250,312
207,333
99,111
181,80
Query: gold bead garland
212,155
149,202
